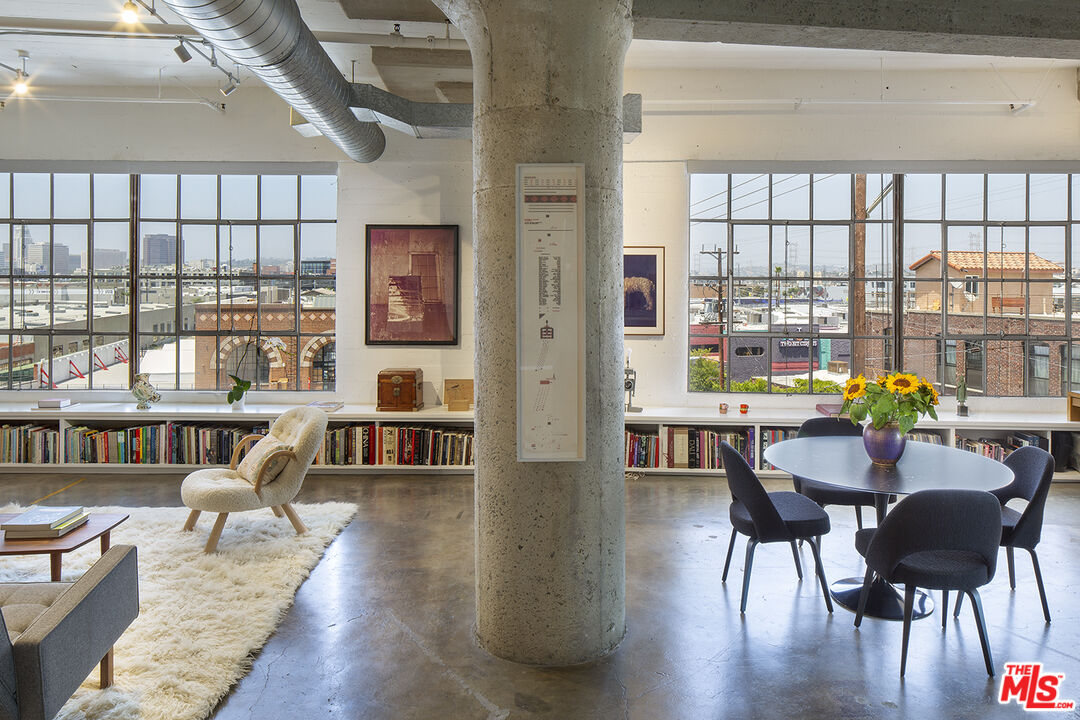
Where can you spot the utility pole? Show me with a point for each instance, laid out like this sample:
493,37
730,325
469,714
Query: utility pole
857,321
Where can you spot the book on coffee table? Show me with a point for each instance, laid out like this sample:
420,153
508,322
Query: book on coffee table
42,517
48,532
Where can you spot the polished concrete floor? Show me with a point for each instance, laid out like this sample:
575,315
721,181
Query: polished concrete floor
383,626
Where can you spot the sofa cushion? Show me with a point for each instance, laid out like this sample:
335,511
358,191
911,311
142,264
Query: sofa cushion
257,456
22,603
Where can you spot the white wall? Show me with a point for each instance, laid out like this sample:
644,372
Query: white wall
429,181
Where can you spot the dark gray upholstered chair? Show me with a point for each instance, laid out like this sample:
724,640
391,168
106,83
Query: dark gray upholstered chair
54,633
937,540
770,517
824,494
1033,469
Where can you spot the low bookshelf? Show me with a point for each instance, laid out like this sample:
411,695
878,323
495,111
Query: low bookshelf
32,439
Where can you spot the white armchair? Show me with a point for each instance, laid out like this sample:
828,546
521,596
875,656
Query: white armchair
270,475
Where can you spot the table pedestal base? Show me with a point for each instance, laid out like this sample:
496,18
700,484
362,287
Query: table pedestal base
885,601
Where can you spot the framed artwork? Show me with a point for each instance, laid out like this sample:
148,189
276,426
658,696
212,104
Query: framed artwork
412,285
643,290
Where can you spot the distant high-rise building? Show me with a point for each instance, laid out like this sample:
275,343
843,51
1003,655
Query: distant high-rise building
158,249
37,258
315,267
106,259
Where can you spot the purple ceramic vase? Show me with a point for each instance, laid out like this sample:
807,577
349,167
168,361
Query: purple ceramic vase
884,446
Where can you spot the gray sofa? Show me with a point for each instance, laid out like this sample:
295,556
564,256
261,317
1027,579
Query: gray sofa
54,633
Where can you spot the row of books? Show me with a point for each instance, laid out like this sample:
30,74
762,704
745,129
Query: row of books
173,443
29,444
424,446
770,436
641,450
927,437
999,448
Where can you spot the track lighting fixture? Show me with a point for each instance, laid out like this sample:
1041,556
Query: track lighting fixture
22,78
129,12
182,52
229,89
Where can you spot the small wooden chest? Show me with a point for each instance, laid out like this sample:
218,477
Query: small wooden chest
401,389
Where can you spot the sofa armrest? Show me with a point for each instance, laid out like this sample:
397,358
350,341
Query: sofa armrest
61,647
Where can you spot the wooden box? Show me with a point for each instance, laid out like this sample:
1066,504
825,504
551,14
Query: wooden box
401,389
1072,411
458,394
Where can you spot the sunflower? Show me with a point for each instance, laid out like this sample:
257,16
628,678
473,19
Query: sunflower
855,388
902,383
933,392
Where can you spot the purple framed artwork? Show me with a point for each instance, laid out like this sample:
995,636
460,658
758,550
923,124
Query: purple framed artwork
643,290
412,285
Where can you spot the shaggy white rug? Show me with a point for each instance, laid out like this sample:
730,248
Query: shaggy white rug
202,617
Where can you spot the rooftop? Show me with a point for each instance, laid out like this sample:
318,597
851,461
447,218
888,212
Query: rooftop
973,260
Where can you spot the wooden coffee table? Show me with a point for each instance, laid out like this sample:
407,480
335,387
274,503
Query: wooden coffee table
98,526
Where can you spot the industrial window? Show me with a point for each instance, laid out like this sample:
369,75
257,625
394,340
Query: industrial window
983,262
207,267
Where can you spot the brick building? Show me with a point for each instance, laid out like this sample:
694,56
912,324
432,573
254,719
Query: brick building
271,358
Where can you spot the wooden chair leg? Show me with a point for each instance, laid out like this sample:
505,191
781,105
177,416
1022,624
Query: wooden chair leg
980,623
750,545
277,511
106,674
909,602
192,518
795,554
730,547
294,518
1039,582
215,534
821,576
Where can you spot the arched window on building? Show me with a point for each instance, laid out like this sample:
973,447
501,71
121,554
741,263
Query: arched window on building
254,366
323,363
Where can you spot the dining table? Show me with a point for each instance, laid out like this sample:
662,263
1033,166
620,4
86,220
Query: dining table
843,462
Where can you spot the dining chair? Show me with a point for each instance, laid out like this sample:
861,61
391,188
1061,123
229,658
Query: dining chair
824,494
766,517
937,540
1033,470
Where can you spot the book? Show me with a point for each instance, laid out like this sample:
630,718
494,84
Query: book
54,402
46,533
39,517
327,405
829,409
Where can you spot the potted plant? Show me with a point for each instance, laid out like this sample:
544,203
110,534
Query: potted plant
893,403
236,392
961,396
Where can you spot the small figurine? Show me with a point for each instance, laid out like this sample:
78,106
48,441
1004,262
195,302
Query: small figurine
961,396
144,392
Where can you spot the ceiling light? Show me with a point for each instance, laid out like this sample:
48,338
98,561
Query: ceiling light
21,85
396,38
129,13
182,53
228,89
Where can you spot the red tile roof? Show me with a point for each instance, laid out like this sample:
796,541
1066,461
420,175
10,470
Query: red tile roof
973,260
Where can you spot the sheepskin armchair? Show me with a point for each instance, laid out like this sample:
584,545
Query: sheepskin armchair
269,477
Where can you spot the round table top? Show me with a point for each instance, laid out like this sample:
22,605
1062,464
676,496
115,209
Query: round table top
843,462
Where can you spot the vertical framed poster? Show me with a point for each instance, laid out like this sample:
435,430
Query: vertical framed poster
551,312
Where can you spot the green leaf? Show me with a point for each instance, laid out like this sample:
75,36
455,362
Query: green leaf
858,413
933,413
906,423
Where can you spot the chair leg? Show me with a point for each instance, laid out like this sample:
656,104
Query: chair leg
750,545
192,518
1012,566
980,623
959,602
944,607
863,595
294,518
821,576
215,534
795,554
277,511
881,504
858,515
1039,582
909,602
105,675
730,547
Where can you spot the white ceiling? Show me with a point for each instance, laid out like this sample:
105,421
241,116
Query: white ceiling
124,62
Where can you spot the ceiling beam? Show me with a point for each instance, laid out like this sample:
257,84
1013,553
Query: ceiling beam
398,11
1047,28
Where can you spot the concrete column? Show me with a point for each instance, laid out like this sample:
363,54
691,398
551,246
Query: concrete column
550,537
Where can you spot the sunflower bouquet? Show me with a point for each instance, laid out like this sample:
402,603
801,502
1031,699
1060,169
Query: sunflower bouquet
899,398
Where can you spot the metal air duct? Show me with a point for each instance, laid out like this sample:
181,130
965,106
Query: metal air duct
269,38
